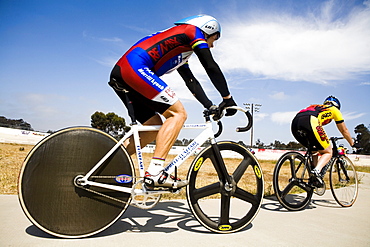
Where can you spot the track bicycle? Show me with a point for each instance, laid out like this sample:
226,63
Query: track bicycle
78,181
294,187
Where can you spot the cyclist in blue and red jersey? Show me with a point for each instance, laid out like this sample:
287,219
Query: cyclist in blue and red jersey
307,128
136,79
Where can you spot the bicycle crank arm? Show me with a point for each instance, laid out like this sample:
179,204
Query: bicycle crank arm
305,186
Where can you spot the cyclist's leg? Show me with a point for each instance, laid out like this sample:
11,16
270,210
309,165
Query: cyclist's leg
146,137
166,136
175,117
326,155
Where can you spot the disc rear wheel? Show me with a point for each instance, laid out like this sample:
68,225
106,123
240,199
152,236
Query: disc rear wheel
49,192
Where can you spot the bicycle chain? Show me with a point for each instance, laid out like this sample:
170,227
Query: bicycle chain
103,176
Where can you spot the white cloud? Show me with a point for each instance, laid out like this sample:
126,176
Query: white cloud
106,61
352,115
278,96
43,104
87,35
259,116
114,39
318,48
138,29
283,117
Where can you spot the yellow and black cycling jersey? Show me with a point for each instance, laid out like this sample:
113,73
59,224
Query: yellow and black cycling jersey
324,113
311,121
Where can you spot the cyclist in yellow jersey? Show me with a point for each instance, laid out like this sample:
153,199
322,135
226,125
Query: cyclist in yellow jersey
307,128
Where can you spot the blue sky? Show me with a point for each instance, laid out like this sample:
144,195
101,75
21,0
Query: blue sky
56,57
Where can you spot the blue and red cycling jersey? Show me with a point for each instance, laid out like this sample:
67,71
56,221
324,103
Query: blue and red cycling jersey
167,50
157,54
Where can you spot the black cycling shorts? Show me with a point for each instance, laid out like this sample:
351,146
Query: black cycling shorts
309,133
143,108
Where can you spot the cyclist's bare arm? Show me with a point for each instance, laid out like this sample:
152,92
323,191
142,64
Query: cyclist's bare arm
343,129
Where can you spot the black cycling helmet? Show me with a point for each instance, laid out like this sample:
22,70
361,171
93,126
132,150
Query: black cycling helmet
331,100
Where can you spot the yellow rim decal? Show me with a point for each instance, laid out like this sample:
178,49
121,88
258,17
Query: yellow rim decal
198,164
257,171
224,227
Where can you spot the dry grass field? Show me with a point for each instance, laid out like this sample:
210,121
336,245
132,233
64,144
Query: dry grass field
11,159
13,155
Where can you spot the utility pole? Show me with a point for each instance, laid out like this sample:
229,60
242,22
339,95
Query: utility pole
252,108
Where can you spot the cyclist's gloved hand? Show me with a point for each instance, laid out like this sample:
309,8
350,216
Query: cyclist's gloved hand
356,144
215,111
226,103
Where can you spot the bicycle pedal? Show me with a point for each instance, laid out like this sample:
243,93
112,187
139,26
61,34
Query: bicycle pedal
320,190
175,191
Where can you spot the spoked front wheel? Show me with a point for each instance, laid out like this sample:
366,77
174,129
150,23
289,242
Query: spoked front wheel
49,192
344,181
222,207
290,181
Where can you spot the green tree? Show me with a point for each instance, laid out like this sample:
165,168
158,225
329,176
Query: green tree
260,144
110,123
294,146
178,143
363,138
278,145
186,142
14,123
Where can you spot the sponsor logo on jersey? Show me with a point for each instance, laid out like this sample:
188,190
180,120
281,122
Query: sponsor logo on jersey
167,96
163,47
320,130
326,115
148,74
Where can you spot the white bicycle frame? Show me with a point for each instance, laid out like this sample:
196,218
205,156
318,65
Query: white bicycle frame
206,134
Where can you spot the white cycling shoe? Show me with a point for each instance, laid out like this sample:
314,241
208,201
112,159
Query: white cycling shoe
163,179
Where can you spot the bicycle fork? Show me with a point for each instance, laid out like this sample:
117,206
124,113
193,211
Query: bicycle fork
340,165
227,181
